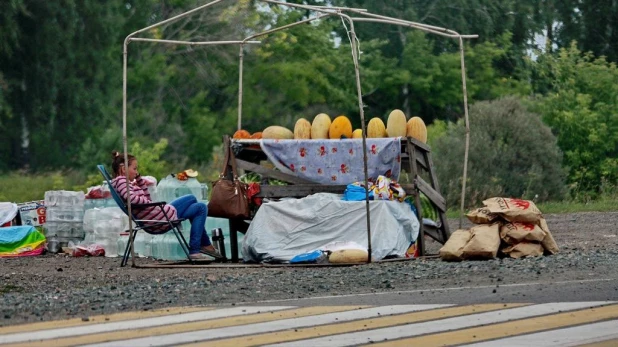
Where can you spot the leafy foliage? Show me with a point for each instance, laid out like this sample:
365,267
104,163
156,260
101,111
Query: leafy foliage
581,110
61,63
511,154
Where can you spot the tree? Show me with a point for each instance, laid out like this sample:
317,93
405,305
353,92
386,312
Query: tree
59,69
512,154
580,107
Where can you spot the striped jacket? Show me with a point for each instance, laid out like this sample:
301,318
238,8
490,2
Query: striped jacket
140,195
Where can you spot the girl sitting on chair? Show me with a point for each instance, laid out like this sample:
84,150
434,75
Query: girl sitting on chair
185,206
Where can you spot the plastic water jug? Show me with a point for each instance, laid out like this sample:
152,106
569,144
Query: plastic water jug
123,240
171,188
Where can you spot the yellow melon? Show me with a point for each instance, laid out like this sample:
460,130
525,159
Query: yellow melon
302,129
357,134
396,124
341,127
347,256
376,128
277,132
320,126
416,128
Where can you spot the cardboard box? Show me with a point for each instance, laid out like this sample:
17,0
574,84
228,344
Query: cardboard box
33,213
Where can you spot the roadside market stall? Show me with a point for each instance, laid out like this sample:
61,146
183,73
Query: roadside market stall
414,154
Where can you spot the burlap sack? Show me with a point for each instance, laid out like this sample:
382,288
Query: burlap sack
524,249
514,210
484,243
550,245
453,248
514,233
481,215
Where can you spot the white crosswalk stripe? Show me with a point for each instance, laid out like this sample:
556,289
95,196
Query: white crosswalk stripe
357,338
583,334
483,325
329,318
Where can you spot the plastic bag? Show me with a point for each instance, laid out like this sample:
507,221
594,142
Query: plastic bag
98,192
315,257
83,249
8,211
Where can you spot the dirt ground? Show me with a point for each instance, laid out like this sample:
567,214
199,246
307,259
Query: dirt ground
57,286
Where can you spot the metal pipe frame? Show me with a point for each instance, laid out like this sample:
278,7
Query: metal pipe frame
190,43
325,11
241,57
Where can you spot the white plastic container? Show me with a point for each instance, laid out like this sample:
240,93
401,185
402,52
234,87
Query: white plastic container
123,240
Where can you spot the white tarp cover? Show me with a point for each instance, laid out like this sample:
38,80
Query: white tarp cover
281,230
8,211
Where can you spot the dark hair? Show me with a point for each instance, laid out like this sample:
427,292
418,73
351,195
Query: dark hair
118,161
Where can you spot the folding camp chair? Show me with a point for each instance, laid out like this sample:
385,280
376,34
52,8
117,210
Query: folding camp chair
148,226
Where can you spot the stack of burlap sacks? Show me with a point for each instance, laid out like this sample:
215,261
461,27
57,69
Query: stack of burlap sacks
514,227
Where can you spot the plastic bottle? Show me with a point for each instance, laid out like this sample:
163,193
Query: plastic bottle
157,247
143,245
123,239
147,245
112,248
53,244
139,244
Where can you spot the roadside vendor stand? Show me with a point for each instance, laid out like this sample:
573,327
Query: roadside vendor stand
415,154
415,159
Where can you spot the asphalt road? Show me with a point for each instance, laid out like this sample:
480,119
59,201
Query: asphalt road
603,289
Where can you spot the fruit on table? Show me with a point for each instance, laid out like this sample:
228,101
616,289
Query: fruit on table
376,128
302,129
357,134
320,126
256,135
416,128
182,176
347,256
241,134
341,127
396,124
277,132
191,173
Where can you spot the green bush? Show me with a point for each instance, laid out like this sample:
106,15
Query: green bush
581,108
512,154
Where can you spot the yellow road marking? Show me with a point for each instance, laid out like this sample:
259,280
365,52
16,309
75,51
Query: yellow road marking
116,317
359,325
501,330
608,343
186,327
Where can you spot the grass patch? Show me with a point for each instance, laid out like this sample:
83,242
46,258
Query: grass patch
17,187
603,204
7,288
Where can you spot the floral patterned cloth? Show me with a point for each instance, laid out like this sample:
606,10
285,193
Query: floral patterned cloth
335,161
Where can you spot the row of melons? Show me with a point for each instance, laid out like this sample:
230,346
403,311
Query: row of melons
340,128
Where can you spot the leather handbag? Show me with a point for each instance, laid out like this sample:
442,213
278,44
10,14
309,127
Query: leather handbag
228,198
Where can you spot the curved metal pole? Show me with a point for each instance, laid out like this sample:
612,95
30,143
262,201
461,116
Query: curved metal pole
125,52
124,102
286,27
241,55
339,8
360,105
364,132
190,43
419,25
240,86
413,25
169,20
465,168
